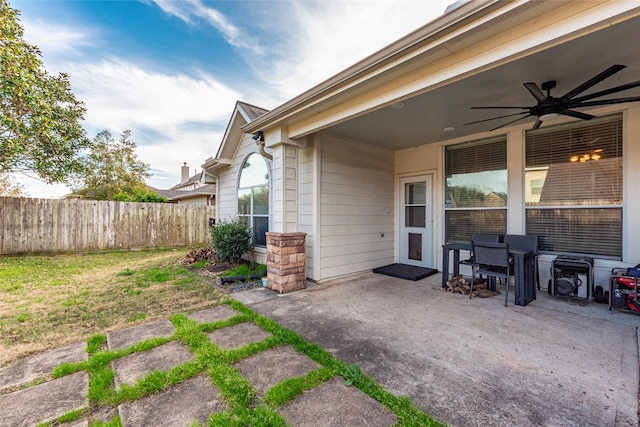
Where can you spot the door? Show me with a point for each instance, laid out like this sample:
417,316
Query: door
416,220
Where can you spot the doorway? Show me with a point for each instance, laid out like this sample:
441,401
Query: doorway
416,220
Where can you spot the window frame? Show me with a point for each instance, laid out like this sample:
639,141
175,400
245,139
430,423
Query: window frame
251,216
607,241
473,210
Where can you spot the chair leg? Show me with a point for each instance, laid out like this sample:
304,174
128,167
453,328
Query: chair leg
473,279
506,291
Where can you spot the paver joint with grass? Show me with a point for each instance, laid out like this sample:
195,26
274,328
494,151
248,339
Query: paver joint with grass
245,409
47,302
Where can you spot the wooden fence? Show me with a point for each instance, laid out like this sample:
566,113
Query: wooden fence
51,225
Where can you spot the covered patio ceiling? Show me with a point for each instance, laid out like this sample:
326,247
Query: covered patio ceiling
424,117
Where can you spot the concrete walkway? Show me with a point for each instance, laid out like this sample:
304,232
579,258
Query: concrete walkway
553,362
29,396
468,362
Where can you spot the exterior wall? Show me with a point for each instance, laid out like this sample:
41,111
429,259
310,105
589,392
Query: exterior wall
424,160
307,205
227,198
427,158
200,200
356,198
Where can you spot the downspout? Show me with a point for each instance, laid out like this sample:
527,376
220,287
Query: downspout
263,152
259,138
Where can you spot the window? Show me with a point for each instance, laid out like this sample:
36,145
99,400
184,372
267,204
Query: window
475,189
573,182
253,196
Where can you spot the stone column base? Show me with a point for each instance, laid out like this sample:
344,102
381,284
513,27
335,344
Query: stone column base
286,257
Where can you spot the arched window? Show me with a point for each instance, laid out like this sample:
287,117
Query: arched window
253,196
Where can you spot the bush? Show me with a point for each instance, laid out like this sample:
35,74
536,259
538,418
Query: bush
231,239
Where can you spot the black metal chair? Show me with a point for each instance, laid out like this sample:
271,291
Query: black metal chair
480,237
526,242
491,260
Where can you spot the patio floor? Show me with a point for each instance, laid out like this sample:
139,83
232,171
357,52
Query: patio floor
468,362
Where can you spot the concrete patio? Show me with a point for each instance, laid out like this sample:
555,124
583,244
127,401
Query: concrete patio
553,362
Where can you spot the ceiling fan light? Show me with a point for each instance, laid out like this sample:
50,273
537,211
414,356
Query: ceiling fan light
595,157
574,159
548,116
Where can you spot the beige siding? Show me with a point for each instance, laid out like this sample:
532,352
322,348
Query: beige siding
356,206
228,188
306,203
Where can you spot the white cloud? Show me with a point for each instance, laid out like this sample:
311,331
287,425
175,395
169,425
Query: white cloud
191,11
176,118
119,94
316,40
59,41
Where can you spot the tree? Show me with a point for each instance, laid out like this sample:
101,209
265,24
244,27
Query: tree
112,170
40,131
9,187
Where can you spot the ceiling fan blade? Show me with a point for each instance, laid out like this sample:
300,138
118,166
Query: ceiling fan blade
500,108
594,80
535,91
508,123
606,92
495,118
576,114
607,102
536,125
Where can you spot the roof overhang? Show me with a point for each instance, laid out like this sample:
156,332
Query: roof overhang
479,54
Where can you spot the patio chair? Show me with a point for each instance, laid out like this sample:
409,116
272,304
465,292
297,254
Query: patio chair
527,242
491,260
480,237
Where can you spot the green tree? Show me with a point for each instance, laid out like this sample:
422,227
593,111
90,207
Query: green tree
112,170
40,131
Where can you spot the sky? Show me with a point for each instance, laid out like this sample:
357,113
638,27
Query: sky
171,71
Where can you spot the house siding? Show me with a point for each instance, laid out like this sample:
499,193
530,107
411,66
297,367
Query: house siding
356,193
228,189
306,205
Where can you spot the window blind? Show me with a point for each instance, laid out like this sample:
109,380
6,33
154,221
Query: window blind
573,186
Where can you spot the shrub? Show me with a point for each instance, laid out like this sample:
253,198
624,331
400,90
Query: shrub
231,239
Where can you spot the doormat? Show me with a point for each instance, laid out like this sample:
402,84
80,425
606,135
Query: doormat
404,271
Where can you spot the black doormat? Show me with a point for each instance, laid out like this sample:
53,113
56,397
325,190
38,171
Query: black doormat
404,271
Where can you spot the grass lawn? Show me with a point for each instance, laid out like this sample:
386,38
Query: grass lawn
50,301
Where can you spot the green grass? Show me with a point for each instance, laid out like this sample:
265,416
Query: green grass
243,407
245,270
48,301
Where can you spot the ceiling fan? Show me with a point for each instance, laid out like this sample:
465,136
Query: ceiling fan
549,107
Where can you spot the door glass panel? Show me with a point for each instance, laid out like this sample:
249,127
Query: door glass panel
415,216
415,246
416,193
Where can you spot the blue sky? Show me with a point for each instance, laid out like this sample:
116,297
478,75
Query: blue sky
172,70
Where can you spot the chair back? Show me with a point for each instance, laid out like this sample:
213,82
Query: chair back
484,237
491,254
523,242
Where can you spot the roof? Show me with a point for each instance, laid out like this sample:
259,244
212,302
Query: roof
252,111
195,178
174,195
